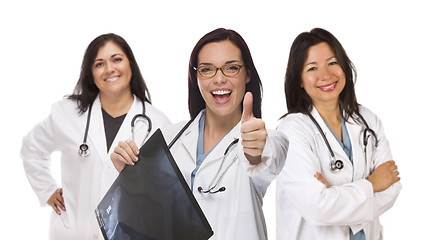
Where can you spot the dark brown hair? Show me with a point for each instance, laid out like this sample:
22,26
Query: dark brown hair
86,91
297,100
195,99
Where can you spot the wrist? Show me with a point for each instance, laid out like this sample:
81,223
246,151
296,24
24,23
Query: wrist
253,160
373,184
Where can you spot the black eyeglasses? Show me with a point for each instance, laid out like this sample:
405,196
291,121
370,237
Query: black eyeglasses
210,71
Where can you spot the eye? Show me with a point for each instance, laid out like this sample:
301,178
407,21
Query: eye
333,63
99,64
206,69
116,60
311,69
232,67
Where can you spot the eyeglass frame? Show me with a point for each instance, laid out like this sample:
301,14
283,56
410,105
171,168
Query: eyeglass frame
216,69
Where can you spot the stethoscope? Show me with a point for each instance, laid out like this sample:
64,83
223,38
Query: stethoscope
336,164
84,148
213,186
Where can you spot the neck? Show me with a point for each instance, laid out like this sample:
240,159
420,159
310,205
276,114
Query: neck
116,106
331,113
216,127
220,125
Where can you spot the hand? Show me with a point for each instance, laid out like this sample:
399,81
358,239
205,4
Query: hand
253,132
56,201
320,177
384,176
124,153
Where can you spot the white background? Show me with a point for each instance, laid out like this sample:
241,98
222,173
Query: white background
42,45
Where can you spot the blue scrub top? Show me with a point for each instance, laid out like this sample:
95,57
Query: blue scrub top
346,145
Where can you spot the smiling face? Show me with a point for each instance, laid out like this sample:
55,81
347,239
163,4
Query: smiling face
111,71
322,77
223,95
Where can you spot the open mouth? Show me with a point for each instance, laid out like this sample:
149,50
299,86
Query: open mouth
221,96
329,87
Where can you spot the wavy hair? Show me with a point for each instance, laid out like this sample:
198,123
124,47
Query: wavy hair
86,91
297,99
196,103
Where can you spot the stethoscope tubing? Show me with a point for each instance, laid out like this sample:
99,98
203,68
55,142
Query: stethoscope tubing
337,165
212,186
84,148
323,136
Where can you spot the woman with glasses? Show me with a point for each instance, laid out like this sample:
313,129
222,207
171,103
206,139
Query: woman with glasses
339,175
226,155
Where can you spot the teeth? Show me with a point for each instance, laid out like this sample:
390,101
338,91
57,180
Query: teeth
328,87
221,92
111,79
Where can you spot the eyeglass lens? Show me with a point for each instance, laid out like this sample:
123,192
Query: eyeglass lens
210,70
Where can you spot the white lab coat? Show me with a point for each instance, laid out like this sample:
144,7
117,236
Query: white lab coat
306,209
235,213
85,180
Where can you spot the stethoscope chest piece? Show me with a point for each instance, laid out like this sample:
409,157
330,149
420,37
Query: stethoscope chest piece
84,150
337,165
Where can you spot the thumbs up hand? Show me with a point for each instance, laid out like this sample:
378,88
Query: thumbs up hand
253,132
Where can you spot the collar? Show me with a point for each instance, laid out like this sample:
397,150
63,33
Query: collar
190,136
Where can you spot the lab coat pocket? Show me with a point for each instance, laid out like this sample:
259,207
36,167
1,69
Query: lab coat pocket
67,217
66,220
57,229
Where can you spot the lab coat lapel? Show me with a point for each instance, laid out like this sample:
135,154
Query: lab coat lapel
219,150
355,131
336,147
190,136
96,131
125,132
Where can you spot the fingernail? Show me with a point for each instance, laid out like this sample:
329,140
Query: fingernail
136,158
131,163
137,151
59,213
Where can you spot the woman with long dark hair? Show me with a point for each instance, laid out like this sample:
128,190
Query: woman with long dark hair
83,127
339,175
226,155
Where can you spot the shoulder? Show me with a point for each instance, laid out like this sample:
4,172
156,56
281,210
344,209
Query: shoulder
293,120
62,113
155,113
370,117
171,131
65,106
364,111
298,127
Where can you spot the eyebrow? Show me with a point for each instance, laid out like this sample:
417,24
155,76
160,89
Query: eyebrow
228,62
116,54
326,60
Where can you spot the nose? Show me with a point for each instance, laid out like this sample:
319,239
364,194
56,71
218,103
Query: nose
324,73
219,77
109,67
